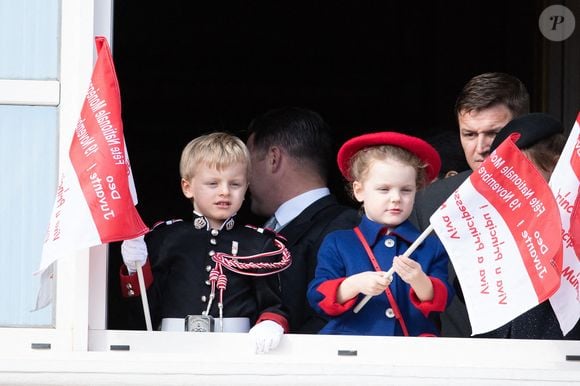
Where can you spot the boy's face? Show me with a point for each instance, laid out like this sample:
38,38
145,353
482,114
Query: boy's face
387,191
217,194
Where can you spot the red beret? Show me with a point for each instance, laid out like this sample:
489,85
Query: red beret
417,146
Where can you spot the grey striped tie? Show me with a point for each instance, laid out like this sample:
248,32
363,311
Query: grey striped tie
272,223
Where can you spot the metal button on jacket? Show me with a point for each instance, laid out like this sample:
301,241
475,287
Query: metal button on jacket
390,313
204,298
389,243
208,268
214,232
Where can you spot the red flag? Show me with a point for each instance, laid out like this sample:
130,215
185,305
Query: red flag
95,198
575,226
499,230
565,184
99,158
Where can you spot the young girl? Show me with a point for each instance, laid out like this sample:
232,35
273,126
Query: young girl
211,267
385,170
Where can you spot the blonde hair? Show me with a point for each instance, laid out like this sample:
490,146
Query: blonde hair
216,150
361,161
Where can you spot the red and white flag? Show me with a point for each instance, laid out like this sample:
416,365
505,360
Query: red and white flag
499,230
95,197
565,184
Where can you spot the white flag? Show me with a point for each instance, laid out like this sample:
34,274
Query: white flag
498,228
565,182
95,198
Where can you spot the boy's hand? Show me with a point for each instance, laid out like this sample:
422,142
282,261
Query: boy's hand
134,252
267,335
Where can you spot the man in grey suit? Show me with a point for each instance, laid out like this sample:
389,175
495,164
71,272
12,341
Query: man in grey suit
484,106
291,152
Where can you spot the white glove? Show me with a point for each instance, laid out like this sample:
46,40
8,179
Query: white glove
134,252
267,335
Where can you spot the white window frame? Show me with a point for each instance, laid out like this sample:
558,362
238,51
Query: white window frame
80,299
80,334
77,349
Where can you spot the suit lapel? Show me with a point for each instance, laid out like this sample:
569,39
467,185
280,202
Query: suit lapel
296,228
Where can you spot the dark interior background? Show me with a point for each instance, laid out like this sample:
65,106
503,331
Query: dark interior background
189,67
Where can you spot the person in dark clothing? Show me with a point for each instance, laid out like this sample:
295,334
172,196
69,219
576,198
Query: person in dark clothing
291,150
484,106
541,140
206,268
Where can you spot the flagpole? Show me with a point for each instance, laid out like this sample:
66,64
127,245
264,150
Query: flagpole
144,299
391,271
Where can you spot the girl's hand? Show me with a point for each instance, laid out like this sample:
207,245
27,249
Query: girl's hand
408,269
412,273
368,283
371,283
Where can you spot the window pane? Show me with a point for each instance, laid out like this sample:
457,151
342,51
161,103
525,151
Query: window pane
29,39
29,167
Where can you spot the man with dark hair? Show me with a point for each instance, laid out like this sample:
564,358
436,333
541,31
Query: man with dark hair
484,106
541,140
291,151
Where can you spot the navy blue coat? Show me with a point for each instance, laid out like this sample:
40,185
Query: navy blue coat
342,255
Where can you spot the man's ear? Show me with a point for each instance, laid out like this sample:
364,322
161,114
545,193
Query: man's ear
186,188
275,155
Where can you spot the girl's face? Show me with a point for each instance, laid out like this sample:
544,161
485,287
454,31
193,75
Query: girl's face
387,191
217,194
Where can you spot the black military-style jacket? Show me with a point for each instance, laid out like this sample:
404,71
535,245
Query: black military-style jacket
180,254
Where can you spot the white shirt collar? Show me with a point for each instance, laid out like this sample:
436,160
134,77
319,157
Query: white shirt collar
289,210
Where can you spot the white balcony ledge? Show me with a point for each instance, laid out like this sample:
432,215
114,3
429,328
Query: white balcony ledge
169,358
